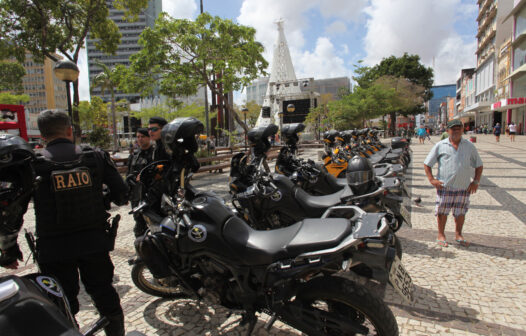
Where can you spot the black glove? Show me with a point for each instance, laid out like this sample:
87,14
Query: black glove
10,255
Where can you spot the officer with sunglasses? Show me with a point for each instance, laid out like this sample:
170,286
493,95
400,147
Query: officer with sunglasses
155,126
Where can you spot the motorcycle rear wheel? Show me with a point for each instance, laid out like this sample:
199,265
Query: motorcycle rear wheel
146,282
344,300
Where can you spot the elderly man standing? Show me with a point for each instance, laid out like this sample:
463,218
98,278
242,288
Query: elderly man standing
456,159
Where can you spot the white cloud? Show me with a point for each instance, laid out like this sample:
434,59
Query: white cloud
323,62
180,9
337,27
419,27
348,10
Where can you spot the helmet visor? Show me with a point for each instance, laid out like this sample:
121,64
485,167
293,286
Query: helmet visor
359,177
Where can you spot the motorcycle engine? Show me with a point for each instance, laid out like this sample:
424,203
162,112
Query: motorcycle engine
219,287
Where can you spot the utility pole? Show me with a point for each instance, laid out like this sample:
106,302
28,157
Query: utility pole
206,94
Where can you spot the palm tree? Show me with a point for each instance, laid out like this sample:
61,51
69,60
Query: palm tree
108,80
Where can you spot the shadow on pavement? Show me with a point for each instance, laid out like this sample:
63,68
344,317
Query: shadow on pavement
198,318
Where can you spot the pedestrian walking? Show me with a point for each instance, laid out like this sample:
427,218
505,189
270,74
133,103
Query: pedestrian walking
513,131
456,158
73,236
496,132
421,132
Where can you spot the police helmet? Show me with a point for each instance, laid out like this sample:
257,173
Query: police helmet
360,174
258,138
289,133
17,178
179,136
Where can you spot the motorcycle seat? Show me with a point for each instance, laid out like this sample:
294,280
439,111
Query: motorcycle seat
315,206
265,247
396,150
381,170
376,158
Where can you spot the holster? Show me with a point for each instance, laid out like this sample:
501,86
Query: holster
112,231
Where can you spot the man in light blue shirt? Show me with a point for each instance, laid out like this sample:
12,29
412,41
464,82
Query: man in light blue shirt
456,159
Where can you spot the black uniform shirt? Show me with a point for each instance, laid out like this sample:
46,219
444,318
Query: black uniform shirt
160,152
140,159
73,244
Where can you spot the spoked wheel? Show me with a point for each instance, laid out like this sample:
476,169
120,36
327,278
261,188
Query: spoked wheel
146,282
338,306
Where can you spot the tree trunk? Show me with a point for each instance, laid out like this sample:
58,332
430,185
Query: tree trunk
392,128
115,144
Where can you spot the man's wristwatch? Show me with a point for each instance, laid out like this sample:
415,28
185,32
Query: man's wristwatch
476,182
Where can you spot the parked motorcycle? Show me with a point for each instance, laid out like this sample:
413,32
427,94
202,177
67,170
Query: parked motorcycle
290,273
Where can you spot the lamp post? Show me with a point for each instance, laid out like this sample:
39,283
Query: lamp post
68,72
245,111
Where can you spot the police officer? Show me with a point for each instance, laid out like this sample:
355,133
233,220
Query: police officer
136,162
71,220
155,126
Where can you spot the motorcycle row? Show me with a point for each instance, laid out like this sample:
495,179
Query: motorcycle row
292,239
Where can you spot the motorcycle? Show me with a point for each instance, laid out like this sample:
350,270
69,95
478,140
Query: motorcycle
273,201
291,274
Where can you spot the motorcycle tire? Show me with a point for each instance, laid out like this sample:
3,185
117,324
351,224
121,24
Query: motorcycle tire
344,300
144,280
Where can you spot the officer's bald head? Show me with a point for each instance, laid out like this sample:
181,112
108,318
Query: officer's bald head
54,124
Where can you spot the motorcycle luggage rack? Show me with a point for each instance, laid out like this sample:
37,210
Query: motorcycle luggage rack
357,211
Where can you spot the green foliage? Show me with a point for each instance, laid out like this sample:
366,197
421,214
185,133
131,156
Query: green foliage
94,114
180,55
99,137
253,112
11,74
8,98
168,113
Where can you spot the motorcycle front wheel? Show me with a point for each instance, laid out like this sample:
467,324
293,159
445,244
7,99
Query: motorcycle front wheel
146,282
338,306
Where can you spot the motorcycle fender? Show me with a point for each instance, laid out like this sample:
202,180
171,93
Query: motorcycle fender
148,248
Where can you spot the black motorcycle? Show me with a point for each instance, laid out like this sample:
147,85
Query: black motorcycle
291,273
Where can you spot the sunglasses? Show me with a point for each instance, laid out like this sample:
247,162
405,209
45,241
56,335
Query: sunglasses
153,129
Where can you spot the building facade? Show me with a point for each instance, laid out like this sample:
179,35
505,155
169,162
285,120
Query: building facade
493,31
257,89
128,46
45,91
512,107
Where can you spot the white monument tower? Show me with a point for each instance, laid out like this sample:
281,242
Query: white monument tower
283,84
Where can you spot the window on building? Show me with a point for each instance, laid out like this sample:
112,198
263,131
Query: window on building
520,23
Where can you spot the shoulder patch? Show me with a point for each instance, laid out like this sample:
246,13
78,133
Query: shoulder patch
64,180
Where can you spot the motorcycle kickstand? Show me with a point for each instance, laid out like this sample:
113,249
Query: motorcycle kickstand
251,319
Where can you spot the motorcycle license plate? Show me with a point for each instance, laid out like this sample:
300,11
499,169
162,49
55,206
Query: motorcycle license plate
401,280
406,215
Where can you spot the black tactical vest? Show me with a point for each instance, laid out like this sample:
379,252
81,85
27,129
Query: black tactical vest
69,197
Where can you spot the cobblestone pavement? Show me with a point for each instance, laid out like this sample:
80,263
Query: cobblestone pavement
479,290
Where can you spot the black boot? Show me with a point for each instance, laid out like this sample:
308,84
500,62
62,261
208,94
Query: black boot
115,326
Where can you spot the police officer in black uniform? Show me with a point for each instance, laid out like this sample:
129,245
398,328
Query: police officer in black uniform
136,162
73,236
155,126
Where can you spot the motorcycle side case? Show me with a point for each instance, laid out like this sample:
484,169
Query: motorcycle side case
398,142
34,305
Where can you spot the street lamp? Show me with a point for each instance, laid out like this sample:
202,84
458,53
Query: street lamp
245,112
68,72
280,115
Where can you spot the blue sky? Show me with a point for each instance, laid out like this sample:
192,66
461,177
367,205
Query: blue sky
327,37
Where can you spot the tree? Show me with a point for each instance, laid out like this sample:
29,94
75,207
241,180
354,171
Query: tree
320,118
408,67
253,112
181,55
99,137
93,114
108,80
11,74
44,28
8,98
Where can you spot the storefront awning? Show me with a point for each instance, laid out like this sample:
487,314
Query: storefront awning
508,103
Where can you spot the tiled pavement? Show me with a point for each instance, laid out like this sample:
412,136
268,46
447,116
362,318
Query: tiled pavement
480,290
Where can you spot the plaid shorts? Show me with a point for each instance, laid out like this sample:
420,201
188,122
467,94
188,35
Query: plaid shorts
451,199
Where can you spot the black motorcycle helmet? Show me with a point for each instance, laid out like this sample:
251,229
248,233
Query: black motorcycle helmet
360,175
17,178
330,136
258,138
289,133
179,136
